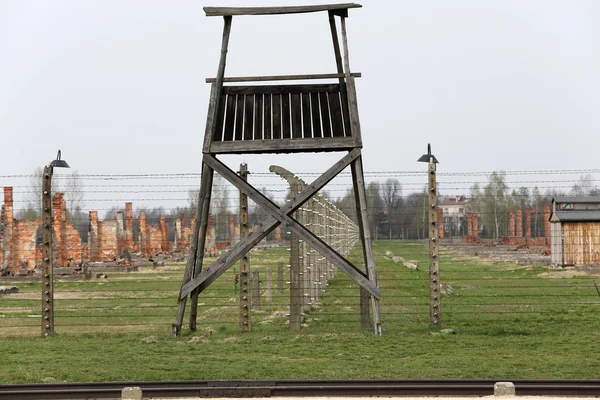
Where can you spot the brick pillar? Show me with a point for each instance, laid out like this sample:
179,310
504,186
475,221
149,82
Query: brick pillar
165,245
547,212
519,224
128,233
93,239
120,233
476,225
7,228
528,223
143,234
278,233
178,233
58,218
440,222
470,224
211,237
511,223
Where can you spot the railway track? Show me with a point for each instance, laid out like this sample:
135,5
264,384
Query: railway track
308,388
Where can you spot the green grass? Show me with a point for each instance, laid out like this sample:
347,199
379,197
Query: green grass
509,322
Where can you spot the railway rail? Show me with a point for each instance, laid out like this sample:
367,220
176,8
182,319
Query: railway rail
301,388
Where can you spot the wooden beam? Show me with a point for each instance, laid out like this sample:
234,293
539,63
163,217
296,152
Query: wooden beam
365,236
304,234
261,231
222,264
266,78
229,11
282,89
215,90
204,209
340,68
284,145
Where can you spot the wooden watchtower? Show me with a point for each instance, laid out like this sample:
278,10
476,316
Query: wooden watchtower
280,118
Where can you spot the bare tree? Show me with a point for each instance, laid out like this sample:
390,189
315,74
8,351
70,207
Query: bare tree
391,195
74,194
584,187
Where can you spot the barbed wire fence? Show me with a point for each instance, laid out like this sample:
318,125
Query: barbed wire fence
487,287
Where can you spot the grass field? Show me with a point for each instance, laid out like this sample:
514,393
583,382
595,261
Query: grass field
507,322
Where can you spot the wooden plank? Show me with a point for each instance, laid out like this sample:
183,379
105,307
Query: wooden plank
370,284
249,117
325,116
285,117
353,109
230,11
277,134
337,124
239,117
218,134
296,114
229,118
215,90
306,116
268,117
223,263
316,115
281,89
360,197
284,146
205,194
261,231
340,70
271,78
258,117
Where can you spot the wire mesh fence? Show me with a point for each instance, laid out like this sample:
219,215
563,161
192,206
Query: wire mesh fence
502,282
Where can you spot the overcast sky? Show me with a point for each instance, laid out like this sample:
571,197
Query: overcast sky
119,85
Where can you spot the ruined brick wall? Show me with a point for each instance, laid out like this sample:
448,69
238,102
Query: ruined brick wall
278,233
182,234
72,249
511,223
547,211
7,228
476,225
58,218
469,224
94,238
128,229
528,223
211,237
66,239
107,234
24,239
121,245
165,245
155,241
150,238
519,224
2,238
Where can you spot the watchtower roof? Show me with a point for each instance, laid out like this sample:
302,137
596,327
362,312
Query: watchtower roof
231,11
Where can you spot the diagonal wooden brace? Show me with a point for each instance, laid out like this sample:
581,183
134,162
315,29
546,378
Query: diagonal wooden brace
284,217
237,251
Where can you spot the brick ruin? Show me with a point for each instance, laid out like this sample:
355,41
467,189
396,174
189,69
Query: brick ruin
109,240
516,237
472,229
18,245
